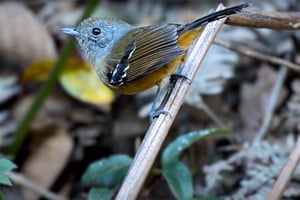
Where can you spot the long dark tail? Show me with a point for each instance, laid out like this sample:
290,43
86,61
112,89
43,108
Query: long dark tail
215,16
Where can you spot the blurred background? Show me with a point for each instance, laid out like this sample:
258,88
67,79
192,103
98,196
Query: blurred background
81,121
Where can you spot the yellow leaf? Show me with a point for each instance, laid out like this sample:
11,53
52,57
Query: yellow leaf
77,78
37,71
83,83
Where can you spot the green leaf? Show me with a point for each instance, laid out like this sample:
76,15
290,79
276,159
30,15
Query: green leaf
6,165
173,150
179,180
176,173
100,194
5,180
107,172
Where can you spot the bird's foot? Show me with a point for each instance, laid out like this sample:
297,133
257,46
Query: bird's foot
155,113
177,76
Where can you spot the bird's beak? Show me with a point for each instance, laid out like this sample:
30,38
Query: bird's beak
70,31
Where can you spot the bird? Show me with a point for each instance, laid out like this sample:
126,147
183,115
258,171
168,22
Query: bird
130,59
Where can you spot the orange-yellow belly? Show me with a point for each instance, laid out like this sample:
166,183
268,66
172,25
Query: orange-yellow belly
184,41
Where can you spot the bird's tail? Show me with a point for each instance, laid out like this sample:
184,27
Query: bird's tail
214,16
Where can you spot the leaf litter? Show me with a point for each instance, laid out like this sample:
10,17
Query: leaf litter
68,133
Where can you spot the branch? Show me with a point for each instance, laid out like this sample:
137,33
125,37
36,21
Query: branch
21,180
159,128
286,173
262,19
258,55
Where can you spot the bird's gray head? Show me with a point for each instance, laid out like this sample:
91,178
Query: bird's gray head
96,36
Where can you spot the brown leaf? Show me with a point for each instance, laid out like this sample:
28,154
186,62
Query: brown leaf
47,161
22,37
53,111
255,99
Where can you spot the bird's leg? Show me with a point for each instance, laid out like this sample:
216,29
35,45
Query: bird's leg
178,74
154,112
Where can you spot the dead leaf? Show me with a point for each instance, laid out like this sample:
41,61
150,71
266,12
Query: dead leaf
54,109
47,161
255,99
22,37
37,71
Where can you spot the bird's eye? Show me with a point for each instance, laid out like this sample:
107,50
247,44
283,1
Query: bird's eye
96,31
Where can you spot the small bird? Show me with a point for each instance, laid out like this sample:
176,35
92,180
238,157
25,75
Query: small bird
130,59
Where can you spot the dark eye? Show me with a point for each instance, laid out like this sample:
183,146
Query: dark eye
96,31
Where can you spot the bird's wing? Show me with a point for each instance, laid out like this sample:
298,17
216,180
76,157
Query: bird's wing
142,51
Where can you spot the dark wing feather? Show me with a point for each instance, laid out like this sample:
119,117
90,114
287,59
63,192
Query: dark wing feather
142,51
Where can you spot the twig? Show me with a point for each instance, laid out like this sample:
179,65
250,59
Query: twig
272,104
159,128
286,173
262,19
258,55
21,180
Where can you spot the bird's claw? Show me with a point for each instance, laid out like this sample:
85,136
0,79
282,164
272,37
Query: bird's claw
177,76
155,113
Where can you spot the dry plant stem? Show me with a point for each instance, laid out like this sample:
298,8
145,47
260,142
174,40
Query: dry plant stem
286,173
262,19
272,104
258,55
20,180
159,128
